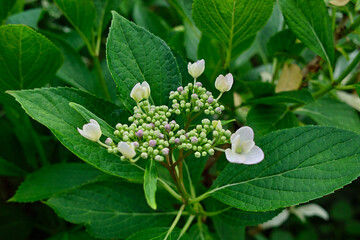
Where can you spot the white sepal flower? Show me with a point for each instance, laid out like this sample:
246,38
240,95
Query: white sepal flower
127,150
301,212
276,221
137,93
224,83
339,2
217,125
146,88
243,149
310,210
197,68
91,131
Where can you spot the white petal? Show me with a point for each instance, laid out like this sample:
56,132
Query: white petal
146,90
246,133
126,150
247,145
94,122
276,221
313,209
234,157
255,156
229,80
137,93
235,142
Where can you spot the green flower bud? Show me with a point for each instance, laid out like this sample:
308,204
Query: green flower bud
118,126
215,133
204,154
211,152
197,155
144,155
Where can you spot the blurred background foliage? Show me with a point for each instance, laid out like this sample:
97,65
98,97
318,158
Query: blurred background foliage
261,66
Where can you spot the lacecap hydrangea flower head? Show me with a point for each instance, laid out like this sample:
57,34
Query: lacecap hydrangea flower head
154,133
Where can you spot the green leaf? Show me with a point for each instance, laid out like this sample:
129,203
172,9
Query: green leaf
74,71
72,235
237,217
200,231
81,14
302,96
231,22
27,59
51,108
29,17
55,179
10,169
284,43
150,183
300,164
150,21
135,55
228,232
310,21
264,119
157,234
120,209
103,11
5,8
330,112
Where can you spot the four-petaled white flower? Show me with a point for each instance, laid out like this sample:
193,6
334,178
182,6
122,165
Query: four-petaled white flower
339,2
243,149
217,125
127,150
224,83
91,131
301,212
197,68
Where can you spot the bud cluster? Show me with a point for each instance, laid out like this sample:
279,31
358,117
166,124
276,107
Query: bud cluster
194,98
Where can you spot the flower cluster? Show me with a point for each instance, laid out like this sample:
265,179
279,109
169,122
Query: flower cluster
154,133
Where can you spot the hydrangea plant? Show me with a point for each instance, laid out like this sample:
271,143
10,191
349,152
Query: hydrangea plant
172,149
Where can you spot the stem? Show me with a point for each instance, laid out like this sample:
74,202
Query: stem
219,97
275,70
186,226
349,69
101,77
199,198
211,214
219,149
175,221
170,190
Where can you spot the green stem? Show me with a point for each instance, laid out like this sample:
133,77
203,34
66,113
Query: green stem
186,226
349,69
211,214
275,70
170,190
101,77
349,87
199,198
177,218
219,149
